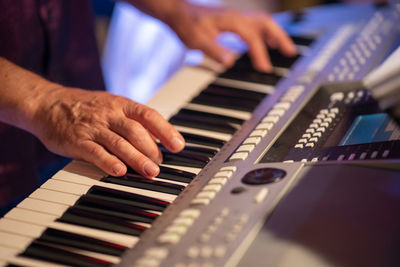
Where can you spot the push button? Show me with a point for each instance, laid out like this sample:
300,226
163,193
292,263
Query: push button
259,198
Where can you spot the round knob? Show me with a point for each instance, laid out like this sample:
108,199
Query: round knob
263,176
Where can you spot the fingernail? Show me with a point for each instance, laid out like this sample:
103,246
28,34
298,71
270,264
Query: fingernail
159,158
150,169
265,67
227,59
177,144
117,169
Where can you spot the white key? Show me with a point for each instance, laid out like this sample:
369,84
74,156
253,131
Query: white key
21,228
257,87
43,206
6,252
25,227
169,181
15,241
23,261
222,136
183,168
171,92
31,216
54,196
244,115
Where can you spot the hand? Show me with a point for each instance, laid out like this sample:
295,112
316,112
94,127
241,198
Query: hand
198,27
103,129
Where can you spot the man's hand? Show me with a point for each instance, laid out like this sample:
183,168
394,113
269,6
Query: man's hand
105,130
97,127
198,27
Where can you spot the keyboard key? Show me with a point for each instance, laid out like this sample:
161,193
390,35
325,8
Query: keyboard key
138,181
109,207
202,140
64,238
78,216
203,123
213,116
235,92
185,159
127,198
44,252
222,101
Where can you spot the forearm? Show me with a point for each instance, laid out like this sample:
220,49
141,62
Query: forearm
98,127
20,94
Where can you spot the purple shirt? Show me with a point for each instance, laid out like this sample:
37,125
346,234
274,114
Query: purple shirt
55,39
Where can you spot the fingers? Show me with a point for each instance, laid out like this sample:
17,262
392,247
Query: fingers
249,30
128,153
277,38
203,38
139,137
92,152
217,52
131,139
257,30
157,125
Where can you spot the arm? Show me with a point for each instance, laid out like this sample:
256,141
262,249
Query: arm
98,127
199,26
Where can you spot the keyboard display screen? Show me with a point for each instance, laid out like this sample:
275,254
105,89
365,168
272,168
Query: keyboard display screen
371,128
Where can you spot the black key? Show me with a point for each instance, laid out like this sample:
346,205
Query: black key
302,40
234,92
138,181
40,251
248,74
202,123
202,140
185,159
115,209
195,150
64,238
176,175
279,60
131,199
78,216
224,102
208,152
210,116
171,174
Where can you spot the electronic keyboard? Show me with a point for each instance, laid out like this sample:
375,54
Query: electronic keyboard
262,149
